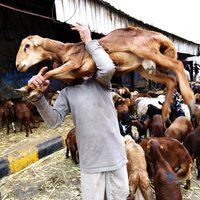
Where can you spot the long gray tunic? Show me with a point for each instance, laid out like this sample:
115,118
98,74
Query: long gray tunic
100,144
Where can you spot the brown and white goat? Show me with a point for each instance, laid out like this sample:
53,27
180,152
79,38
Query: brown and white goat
137,169
139,50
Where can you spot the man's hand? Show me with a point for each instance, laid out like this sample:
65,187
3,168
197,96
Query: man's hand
84,32
39,80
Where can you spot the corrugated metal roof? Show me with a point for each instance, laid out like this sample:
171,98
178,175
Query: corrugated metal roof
103,18
100,19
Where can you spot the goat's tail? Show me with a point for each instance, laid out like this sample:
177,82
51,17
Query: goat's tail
167,48
184,172
139,195
145,187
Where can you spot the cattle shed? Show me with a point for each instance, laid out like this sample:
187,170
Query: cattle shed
52,19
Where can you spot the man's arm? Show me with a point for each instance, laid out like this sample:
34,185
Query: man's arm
53,116
105,66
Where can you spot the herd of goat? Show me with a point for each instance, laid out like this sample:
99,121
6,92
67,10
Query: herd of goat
20,111
162,150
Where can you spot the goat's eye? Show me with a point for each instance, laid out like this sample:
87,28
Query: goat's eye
26,47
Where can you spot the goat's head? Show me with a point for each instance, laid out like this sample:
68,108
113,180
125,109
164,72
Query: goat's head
153,145
128,140
30,53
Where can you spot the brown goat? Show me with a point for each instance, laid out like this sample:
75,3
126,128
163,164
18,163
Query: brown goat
166,184
71,145
175,154
196,116
137,169
192,144
156,126
140,50
7,114
179,128
23,114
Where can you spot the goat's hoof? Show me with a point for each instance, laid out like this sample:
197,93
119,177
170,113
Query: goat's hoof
33,96
22,91
186,187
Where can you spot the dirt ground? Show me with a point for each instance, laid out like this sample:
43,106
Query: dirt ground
53,177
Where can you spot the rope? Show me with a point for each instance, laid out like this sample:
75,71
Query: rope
23,11
42,16
56,21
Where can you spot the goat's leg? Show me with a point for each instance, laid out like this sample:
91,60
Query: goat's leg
25,90
185,173
21,126
77,157
188,184
28,89
30,127
27,128
64,72
134,187
145,188
13,127
166,63
35,94
8,127
73,154
61,73
67,152
170,84
198,167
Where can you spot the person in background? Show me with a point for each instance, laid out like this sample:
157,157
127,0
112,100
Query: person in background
196,73
124,118
100,144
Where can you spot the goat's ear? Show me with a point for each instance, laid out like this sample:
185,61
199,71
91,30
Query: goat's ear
37,40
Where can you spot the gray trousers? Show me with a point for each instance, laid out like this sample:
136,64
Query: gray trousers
111,185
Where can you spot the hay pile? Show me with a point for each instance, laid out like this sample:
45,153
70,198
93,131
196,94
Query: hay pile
53,177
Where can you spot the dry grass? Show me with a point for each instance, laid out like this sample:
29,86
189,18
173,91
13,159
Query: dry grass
11,142
53,177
